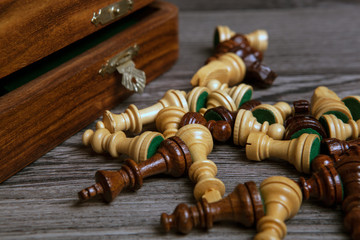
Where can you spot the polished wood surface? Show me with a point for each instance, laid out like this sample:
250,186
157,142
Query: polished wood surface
308,47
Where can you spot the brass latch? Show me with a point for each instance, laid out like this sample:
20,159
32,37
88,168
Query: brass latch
111,12
123,63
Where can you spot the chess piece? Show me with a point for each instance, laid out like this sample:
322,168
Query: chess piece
282,199
324,101
245,123
334,146
353,104
302,122
197,97
250,105
133,119
168,119
139,148
243,205
349,169
299,151
172,157
336,128
228,68
220,130
276,113
257,39
203,171
240,94
219,98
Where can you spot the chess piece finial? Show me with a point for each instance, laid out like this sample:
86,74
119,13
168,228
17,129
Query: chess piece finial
276,113
353,104
334,146
220,130
228,68
324,101
219,98
133,119
299,151
245,123
302,122
139,148
336,128
203,171
168,120
172,157
243,205
282,199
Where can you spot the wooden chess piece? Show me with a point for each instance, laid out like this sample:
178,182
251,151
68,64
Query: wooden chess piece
353,104
245,123
299,151
197,97
219,98
139,148
334,146
324,101
168,120
243,205
336,128
240,94
276,113
220,130
133,119
228,68
203,171
302,122
349,169
172,157
282,199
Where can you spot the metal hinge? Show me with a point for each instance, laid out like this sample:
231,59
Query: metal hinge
111,12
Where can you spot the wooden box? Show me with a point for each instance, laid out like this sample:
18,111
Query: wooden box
56,103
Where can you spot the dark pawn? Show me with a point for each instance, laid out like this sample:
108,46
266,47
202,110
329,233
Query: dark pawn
172,157
243,205
334,146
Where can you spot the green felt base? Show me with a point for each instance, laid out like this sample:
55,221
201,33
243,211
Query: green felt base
211,115
315,149
354,106
263,115
325,125
154,145
201,102
216,38
305,130
247,97
339,115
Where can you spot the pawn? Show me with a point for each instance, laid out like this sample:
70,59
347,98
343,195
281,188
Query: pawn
240,94
353,104
219,98
228,68
245,123
282,199
336,128
299,151
276,113
198,96
243,205
220,130
203,171
133,119
334,146
168,120
139,148
172,157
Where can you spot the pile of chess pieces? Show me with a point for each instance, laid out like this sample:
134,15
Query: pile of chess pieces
318,137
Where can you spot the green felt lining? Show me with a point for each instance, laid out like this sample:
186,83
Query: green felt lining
154,145
354,106
212,115
324,123
305,130
315,149
339,115
216,38
247,96
263,115
201,102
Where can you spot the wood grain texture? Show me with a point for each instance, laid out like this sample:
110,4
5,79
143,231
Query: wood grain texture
308,47
31,30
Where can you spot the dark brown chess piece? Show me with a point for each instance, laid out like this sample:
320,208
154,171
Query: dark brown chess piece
172,157
302,122
220,130
243,205
334,146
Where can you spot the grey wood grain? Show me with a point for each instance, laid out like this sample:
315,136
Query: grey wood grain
308,47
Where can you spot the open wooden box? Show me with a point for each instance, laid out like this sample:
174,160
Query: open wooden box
64,93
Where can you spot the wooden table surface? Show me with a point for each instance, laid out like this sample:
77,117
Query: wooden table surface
309,46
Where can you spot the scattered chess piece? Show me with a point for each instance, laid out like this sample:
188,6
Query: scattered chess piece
336,128
250,105
220,130
228,68
240,94
257,39
219,98
302,122
324,101
245,123
139,148
349,169
243,205
172,157
334,146
203,171
133,119
197,97
276,113
299,151
282,199
168,120
353,104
